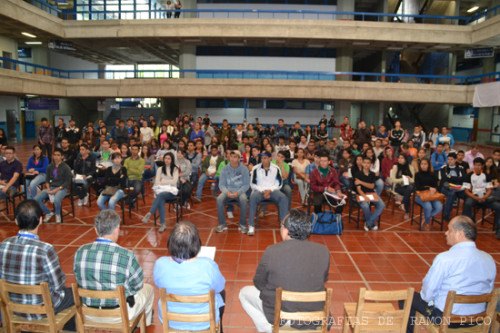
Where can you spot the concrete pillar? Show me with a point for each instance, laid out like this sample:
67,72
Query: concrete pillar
410,7
345,6
187,60
189,4
383,7
169,108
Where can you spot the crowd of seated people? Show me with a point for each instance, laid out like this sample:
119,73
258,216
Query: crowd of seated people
276,159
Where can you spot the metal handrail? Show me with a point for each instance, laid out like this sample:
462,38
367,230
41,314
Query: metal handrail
249,74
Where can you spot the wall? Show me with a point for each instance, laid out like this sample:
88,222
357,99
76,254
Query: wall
8,103
8,45
266,63
66,62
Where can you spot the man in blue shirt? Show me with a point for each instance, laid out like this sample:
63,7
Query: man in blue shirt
462,268
438,158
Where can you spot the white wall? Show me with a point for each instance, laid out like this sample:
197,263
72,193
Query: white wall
8,103
66,62
8,45
261,6
266,116
266,63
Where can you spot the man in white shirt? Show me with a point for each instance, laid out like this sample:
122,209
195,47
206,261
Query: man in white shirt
146,133
463,268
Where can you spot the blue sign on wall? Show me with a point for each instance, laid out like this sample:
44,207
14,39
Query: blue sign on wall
43,104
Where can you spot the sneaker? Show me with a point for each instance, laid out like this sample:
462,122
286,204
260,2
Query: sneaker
86,200
48,217
375,228
196,199
251,231
162,228
221,228
230,215
243,229
188,206
366,228
79,202
212,186
58,219
146,217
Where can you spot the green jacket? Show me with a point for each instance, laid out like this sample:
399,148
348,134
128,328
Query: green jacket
206,163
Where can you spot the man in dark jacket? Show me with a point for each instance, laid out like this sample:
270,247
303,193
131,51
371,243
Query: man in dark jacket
279,267
85,169
324,179
362,134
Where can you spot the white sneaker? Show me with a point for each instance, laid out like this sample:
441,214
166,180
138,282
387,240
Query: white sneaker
162,228
146,217
188,206
375,228
243,229
366,228
58,219
80,202
251,231
230,215
86,200
221,228
48,217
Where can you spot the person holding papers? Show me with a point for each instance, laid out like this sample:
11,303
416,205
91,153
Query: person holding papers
186,273
165,187
324,179
364,182
402,176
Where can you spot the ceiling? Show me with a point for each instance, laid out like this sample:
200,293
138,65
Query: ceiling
167,50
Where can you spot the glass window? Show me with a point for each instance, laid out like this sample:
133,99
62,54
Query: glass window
235,103
275,104
119,71
255,104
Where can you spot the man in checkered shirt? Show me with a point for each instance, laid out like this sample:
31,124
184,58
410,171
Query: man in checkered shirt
104,265
26,260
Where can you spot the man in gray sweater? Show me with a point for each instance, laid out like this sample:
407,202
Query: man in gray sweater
234,182
293,264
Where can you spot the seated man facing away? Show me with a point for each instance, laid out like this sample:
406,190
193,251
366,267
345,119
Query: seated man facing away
266,182
364,182
24,259
279,267
324,179
10,170
234,182
104,265
463,268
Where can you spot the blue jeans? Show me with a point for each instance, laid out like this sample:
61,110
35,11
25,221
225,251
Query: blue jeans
277,197
137,185
112,200
5,195
287,190
223,199
201,182
32,185
493,205
431,208
451,196
379,186
370,217
194,177
148,174
59,196
159,204
345,181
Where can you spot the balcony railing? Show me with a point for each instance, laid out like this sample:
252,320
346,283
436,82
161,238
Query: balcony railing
245,74
150,10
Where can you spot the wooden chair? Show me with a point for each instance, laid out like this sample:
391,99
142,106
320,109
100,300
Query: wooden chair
495,327
484,319
322,316
52,323
124,325
380,314
188,318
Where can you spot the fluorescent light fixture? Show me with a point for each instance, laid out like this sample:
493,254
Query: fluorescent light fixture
472,9
33,43
27,34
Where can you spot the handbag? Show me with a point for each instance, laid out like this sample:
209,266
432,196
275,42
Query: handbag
426,196
110,190
327,223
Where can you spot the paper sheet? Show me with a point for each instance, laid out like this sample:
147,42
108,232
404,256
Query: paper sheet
207,252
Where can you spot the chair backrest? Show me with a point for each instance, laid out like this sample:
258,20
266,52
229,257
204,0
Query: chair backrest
82,311
46,308
302,297
370,312
485,318
184,317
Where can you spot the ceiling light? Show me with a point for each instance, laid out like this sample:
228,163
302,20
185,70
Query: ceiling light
472,9
33,43
27,34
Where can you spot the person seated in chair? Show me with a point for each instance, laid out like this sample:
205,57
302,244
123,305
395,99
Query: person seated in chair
463,268
115,182
477,192
364,182
452,178
426,180
285,172
10,171
135,168
324,179
85,170
266,182
167,177
26,260
103,265
295,264
59,178
208,170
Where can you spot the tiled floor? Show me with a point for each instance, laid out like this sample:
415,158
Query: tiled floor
396,257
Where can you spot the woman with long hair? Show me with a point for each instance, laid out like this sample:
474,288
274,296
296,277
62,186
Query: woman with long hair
388,162
163,136
402,179
345,163
299,165
149,162
115,181
375,168
36,171
124,151
166,176
426,180
3,137
421,154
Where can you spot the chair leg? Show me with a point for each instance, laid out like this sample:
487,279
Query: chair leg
122,205
143,322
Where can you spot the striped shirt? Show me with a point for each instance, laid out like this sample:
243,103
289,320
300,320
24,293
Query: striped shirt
104,265
28,261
